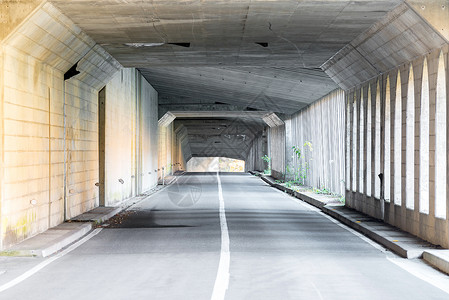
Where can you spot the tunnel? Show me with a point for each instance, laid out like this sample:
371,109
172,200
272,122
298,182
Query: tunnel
196,119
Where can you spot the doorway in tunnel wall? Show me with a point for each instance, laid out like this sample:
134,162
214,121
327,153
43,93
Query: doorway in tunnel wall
101,144
215,164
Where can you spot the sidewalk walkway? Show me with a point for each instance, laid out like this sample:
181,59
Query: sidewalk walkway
392,238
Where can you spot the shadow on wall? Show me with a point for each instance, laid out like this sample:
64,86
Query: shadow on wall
215,164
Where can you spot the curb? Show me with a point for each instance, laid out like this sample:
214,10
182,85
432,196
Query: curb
27,247
46,244
66,240
108,216
438,258
400,248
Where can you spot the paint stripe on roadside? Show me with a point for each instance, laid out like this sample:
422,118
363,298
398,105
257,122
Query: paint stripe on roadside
421,270
48,261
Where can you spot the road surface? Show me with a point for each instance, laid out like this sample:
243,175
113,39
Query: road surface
227,237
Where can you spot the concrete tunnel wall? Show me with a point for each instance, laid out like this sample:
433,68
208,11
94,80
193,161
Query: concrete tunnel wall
173,150
47,157
276,144
396,82
166,150
258,148
400,57
131,131
319,132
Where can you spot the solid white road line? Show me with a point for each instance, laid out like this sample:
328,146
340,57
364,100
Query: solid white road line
356,233
421,270
46,262
222,280
317,210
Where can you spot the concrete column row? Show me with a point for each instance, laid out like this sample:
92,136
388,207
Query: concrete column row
396,127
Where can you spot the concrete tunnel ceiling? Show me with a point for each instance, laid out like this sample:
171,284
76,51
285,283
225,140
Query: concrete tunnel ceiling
224,62
227,55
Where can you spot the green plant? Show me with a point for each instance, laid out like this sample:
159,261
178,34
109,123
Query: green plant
322,190
300,174
267,159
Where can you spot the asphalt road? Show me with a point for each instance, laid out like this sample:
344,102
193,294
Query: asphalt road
174,245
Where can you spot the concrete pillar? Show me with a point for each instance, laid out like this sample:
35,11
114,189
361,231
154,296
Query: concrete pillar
289,165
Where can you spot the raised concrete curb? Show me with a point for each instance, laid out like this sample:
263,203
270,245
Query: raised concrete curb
438,258
98,215
398,241
50,241
56,238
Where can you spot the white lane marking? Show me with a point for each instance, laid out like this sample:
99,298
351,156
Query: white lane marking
317,290
421,270
222,280
317,210
46,262
356,233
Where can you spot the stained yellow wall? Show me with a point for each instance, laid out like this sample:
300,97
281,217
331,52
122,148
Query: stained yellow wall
131,129
34,178
120,136
165,149
13,12
148,135
50,148
171,149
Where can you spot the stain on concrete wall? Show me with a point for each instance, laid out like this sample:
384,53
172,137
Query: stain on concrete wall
49,155
173,149
120,149
14,12
166,150
258,149
436,12
131,130
148,134
276,142
81,147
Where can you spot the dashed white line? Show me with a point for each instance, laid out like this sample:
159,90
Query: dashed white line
46,262
222,279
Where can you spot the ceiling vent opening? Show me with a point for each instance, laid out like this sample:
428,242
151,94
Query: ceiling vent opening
71,72
186,45
249,108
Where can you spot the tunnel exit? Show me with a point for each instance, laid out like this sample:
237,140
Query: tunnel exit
215,164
